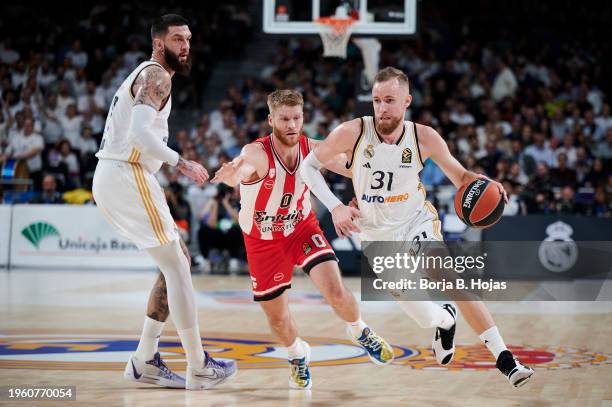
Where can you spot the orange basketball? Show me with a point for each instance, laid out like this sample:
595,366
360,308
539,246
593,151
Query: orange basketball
479,203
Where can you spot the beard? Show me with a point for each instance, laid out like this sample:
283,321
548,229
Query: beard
172,59
286,140
387,127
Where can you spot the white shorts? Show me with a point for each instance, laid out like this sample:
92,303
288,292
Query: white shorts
425,225
133,202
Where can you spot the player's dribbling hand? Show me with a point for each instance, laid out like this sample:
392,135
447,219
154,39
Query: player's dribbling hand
193,170
498,184
343,217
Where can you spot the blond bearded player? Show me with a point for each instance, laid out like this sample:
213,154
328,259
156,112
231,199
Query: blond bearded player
281,231
133,149
386,155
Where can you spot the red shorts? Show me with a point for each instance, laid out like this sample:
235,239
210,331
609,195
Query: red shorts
271,262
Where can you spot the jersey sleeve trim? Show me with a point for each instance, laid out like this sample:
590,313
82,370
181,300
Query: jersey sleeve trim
416,141
349,164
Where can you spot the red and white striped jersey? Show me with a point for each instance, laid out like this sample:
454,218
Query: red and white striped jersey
272,207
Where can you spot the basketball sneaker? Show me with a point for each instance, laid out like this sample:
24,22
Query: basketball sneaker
517,373
300,371
212,374
379,351
152,371
443,344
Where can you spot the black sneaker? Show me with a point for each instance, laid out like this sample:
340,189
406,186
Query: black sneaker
517,374
443,344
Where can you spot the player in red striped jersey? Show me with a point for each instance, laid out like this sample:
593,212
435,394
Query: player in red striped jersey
281,231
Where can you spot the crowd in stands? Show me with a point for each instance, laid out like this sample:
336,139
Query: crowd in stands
59,72
527,107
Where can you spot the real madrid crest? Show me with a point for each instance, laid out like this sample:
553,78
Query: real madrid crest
558,252
369,151
406,156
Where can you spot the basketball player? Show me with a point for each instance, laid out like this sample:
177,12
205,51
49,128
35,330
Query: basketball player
386,155
281,231
132,150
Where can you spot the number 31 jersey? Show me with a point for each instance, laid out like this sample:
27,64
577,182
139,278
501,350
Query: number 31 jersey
386,180
115,144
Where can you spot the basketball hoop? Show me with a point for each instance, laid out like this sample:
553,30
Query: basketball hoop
335,33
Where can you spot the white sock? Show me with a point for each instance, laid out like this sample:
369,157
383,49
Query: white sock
357,327
149,339
192,344
493,341
297,350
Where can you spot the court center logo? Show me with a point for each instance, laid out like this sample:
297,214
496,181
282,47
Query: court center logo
96,352
38,231
558,252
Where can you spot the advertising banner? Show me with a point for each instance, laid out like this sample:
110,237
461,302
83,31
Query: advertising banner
70,236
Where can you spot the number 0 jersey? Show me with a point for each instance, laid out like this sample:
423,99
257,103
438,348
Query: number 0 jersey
272,207
386,180
115,145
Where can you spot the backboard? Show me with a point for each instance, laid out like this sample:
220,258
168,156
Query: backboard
379,17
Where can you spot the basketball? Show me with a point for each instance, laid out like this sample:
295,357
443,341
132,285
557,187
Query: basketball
479,203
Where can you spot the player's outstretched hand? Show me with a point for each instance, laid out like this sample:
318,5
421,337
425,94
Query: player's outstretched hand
500,187
227,171
354,203
343,217
193,170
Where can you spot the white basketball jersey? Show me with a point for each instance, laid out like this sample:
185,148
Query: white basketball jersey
115,145
386,180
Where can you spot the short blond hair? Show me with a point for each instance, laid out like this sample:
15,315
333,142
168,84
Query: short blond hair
389,73
284,97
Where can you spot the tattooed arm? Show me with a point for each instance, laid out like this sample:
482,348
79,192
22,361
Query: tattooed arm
152,89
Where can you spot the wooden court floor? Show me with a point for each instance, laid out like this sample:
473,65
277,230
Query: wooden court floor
78,328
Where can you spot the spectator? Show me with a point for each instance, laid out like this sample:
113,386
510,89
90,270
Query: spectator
77,56
515,205
72,163
489,161
540,150
568,149
505,84
603,149
64,98
567,204
28,146
91,101
562,175
219,226
597,177
71,124
49,193
601,205
179,209
7,54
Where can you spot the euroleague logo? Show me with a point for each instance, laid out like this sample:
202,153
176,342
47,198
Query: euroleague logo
253,351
